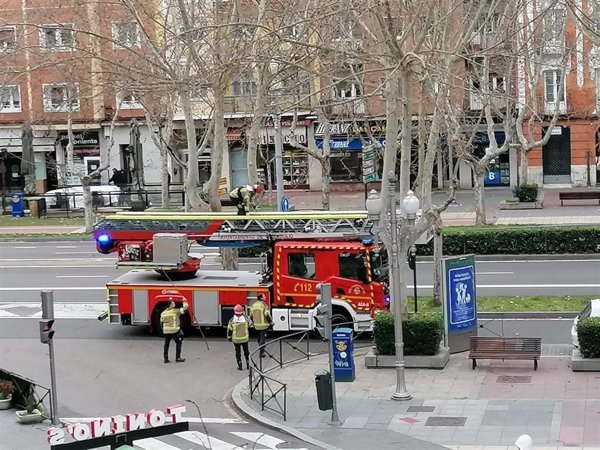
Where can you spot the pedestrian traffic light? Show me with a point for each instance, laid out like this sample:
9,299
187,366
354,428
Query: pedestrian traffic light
46,331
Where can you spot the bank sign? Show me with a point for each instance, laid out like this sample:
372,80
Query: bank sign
460,298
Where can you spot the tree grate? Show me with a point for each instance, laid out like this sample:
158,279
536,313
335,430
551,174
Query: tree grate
507,379
419,409
446,422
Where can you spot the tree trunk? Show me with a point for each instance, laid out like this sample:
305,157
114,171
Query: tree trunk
216,154
86,182
326,174
479,175
438,253
259,112
164,173
523,166
406,144
229,258
392,93
194,202
404,245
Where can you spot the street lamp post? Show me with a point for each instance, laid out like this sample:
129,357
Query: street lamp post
393,236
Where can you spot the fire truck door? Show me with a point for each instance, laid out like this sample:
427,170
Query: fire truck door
206,308
140,307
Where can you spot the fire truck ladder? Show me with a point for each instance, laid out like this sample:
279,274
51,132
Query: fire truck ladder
217,228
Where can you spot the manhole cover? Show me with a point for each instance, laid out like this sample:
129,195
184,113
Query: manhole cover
513,379
421,409
446,422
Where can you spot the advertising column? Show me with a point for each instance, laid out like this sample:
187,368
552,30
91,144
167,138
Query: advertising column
460,302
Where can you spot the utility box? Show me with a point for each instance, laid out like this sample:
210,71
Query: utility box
343,354
324,395
18,207
170,248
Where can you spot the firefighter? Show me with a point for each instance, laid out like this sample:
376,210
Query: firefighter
244,197
170,319
261,320
238,332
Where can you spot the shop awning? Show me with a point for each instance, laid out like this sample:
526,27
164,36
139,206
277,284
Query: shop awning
234,134
355,144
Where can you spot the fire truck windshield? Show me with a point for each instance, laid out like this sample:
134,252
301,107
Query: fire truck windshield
379,266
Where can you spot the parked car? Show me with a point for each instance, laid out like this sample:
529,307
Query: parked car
103,195
591,310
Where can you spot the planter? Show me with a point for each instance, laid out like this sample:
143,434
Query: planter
5,402
539,204
26,418
439,361
581,364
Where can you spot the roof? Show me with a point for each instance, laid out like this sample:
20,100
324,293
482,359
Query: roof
232,278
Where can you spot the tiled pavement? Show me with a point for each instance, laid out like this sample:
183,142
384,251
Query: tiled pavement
457,406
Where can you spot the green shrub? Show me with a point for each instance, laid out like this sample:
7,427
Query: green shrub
526,192
518,241
422,334
588,332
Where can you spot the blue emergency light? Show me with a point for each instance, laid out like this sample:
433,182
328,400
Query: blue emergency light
386,299
104,243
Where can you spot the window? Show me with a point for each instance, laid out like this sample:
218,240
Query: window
10,99
347,83
8,39
199,92
301,265
554,30
554,87
126,35
57,38
244,87
353,266
61,98
128,101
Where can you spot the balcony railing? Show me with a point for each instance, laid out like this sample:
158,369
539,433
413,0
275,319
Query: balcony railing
348,106
476,102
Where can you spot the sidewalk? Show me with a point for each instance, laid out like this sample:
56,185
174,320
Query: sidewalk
457,407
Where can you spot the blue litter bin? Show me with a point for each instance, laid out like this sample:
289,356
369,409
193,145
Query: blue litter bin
18,207
343,355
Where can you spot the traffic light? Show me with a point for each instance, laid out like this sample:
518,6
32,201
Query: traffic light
46,331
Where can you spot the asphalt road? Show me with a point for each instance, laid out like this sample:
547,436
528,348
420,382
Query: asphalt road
78,273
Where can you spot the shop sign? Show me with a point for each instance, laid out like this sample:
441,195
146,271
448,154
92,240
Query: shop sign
267,137
287,123
358,128
115,425
84,139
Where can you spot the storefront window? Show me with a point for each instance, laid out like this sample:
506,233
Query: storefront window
346,165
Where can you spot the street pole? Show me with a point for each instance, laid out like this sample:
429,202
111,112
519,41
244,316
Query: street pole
278,158
48,313
413,255
398,279
326,299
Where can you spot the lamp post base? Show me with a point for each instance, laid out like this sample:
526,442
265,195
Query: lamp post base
401,396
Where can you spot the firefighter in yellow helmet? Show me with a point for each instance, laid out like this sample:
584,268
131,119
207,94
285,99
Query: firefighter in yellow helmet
238,332
244,197
262,321
171,327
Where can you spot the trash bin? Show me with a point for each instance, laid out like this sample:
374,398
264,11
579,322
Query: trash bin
323,384
343,354
18,209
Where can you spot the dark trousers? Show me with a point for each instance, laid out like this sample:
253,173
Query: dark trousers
241,207
178,340
238,352
262,339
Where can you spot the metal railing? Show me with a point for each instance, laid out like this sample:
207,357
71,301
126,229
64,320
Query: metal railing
28,393
271,393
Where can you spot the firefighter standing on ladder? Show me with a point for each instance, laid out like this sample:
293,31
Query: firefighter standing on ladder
238,332
262,321
244,197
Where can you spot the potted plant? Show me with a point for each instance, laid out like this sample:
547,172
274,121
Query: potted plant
31,414
6,390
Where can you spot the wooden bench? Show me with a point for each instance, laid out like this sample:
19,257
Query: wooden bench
579,195
514,348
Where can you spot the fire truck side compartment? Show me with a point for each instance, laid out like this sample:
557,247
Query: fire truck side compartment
207,311
140,306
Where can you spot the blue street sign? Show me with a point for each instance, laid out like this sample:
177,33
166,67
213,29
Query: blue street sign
285,204
492,177
460,293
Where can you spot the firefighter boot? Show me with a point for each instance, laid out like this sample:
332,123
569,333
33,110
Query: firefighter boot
247,365
240,365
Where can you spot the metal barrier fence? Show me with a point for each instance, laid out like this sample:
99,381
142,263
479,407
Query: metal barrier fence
27,393
298,346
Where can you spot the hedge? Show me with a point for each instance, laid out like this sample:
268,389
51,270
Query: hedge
588,333
495,240
422,334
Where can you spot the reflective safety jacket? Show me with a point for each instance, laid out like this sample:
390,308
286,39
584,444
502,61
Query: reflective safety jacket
261,317
245,193
170,319
238,330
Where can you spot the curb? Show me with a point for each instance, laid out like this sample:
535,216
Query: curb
528,315
508,258
246,410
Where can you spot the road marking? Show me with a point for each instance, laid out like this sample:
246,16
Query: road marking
81,276
207,441
24,247
154,444
54,288
66,246
61,310
495,273
89,252
522,286
266,440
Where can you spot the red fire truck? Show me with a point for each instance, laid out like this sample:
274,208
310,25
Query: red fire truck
301,250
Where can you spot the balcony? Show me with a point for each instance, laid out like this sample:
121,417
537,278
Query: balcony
347,107
549,108
476,102
482,40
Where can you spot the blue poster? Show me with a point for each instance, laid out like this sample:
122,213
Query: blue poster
461,299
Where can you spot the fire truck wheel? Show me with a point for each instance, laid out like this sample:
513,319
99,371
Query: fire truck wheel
340,318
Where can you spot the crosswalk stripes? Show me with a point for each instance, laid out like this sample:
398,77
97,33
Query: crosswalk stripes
61,310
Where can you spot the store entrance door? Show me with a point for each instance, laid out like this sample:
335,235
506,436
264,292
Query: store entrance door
238,160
